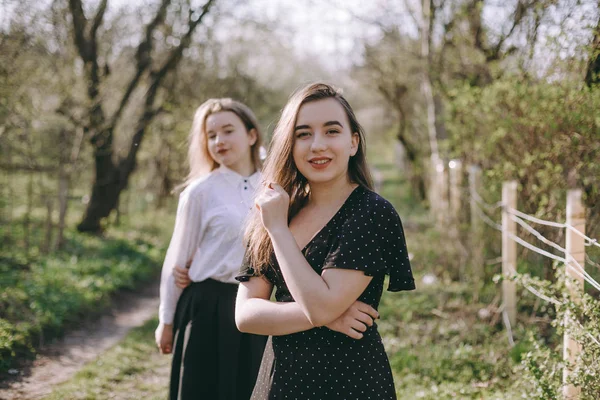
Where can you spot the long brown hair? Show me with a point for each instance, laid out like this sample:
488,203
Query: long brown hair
280,167
199,159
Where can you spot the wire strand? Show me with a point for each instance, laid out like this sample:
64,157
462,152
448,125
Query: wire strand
590,241
537,234
534,219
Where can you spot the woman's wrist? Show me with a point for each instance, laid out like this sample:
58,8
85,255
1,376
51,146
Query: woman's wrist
277,231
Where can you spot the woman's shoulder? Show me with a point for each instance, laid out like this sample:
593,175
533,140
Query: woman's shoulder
198,186
370,202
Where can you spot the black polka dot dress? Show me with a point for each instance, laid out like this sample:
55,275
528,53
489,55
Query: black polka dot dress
365,234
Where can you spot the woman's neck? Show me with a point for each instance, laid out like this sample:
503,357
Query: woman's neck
330,193
244,168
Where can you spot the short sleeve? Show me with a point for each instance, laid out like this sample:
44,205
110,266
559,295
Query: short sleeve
246,271
372,241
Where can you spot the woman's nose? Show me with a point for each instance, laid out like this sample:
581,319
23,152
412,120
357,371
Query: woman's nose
318,143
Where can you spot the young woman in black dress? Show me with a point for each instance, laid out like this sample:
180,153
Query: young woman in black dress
324,240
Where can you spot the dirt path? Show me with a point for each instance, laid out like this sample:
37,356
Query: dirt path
59,361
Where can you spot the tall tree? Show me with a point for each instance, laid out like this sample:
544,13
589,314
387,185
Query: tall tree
112,173
592,75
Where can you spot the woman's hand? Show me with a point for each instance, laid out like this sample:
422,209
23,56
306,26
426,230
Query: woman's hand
355,320
273,205
182,277
164,338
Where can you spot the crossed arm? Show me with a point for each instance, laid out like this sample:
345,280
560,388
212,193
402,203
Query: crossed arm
255,313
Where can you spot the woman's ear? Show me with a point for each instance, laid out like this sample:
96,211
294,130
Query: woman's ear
253,136
354,144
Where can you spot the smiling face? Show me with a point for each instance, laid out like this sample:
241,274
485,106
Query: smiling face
228,141
323,141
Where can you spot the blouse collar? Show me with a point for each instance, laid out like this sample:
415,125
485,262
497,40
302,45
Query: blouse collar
235,179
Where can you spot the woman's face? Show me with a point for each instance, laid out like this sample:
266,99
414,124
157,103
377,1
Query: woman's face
323,141
229,143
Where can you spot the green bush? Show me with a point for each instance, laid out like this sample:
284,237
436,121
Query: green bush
546,136
40,298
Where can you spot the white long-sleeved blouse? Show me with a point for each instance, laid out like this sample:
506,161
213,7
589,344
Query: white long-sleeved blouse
208,233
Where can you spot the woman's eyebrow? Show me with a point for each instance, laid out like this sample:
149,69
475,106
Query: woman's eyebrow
222,127
302,127
328,123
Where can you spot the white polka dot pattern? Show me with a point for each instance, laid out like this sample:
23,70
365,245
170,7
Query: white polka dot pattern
365,234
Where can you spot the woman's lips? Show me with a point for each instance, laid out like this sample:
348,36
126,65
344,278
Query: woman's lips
320,163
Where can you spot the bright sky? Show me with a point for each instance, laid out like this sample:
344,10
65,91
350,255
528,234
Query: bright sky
327,28
324,27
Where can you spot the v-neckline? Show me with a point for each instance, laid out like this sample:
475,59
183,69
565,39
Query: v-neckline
331,219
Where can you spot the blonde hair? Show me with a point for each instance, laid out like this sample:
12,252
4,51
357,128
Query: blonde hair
280,167
199,159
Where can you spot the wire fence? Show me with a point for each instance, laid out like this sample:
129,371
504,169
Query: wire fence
520,217
572,254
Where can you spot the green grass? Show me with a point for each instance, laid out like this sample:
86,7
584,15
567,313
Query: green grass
131,370
438,346
41,294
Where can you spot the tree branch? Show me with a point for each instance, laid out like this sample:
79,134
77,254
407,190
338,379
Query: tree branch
143,58
98,19
176,54
519,15
79,25
592,74
127,164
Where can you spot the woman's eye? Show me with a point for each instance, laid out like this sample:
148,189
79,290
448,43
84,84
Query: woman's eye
211,137
229,131
302,134
333,131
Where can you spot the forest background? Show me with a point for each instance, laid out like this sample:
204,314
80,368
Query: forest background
97,97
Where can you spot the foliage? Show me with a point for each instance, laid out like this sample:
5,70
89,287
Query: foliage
42,296
544,135
131,370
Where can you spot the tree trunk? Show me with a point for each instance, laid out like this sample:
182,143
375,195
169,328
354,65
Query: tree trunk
415,175
592,75
112,176
104,198
49,226
28,211
426,86
63,198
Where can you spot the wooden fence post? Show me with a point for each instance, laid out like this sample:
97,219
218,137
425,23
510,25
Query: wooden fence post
575,246
476,240
509,250
441,174
454,214
434,192
456,172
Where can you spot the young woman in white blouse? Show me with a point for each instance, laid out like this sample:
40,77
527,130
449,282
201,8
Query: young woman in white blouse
211,358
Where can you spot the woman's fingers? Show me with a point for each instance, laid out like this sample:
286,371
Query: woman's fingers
367,309
182,278
363,318
354,334
358,326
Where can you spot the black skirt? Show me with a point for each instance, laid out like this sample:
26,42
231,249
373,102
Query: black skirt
211,358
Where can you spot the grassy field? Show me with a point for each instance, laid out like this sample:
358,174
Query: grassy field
441,344
43,294
131,370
